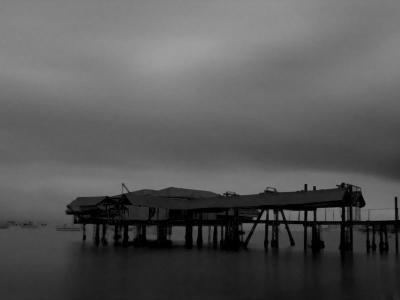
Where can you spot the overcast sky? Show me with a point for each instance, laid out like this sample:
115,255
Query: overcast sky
219,95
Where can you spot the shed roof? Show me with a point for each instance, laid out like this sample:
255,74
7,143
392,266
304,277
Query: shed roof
176,198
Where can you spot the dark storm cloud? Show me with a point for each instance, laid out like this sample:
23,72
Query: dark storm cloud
210,85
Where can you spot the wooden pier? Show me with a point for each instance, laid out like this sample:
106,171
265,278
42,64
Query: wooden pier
224,217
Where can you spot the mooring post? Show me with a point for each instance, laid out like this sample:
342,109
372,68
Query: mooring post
396,225
291,239
84,232
125,235
342,246
116,234
373,247
266,229
235,230
144,233
221,242
275,230
386,242
305,229
368,244
97,234
104,235
314,243
209,236
199,241
215,237
381,244
351,227
189,230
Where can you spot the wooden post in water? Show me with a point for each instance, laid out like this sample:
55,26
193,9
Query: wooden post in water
125,236
266,229
215,237
314,243
373,246
396,225
386,238
342,231
104,235
368,244
275,230
235,229
189,230
199,241
381,244
116,234
351,227
305,229
84,232
221,242
97,234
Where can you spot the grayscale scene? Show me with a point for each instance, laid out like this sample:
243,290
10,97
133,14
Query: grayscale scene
199,149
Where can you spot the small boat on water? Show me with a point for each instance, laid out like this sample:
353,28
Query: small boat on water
3,225
66,227
28,225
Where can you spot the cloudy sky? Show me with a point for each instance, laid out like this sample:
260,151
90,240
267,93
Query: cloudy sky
216,94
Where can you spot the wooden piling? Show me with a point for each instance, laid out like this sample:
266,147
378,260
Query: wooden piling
116,234
314,243
221,242
189,230
351,228
368,243
373,246
291,239
84,232
104,234
266,230
305,229
275,230
125,236
342,246
97,234
215,237
235,230
381,243
199,241
385,242
396,225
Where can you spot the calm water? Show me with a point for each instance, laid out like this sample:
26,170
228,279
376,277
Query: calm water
45,264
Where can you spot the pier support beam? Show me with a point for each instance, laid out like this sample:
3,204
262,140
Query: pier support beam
199,241
291,239
104,235
125,236
97,234
266,230
235,230
246,242
351,228
368,242
396,225
305,229
373,245
342,246
215,237
84,232
275,230
116,234
189,230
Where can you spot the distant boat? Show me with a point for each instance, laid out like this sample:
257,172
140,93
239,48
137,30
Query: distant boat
28,225
66,227
3,225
